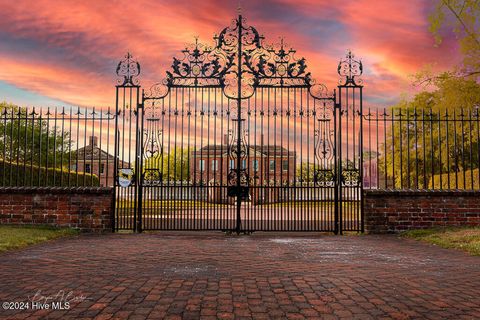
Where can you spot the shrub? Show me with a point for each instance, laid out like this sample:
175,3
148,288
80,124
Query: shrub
26,175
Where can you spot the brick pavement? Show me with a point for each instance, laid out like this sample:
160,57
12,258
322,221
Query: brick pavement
213,276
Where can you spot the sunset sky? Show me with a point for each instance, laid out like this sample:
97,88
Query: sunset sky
55,53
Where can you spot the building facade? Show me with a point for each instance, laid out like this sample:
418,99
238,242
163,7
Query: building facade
92,159
265,165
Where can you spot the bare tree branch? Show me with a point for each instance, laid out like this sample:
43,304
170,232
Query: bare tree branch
467,30
463,6
430,80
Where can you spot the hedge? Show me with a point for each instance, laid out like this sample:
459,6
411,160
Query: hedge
26,175
463,184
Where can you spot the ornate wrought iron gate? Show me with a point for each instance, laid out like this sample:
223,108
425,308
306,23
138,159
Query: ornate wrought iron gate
239,137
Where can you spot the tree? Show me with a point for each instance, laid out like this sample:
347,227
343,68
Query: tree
453,93
424,141
306,171
29,138
449,93
462,17
174,166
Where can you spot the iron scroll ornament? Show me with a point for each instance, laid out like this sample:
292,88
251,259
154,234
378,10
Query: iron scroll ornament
153,152
350,70
238,63
350,177
324,148
233,154
128,70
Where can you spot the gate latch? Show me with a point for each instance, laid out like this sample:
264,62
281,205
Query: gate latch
241,191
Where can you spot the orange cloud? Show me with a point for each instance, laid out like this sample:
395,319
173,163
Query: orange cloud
68,50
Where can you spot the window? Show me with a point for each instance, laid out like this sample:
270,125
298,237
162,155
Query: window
272,165
102,168
74,167
232,163
244,163
87,167
201,165
285,165
214,165
255,165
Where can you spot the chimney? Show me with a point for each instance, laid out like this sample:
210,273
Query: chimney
93,141
225,139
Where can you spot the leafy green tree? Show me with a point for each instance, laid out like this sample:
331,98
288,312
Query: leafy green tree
456,93
174,166
306,171
421,143
452,93
461,16
448,93
31,139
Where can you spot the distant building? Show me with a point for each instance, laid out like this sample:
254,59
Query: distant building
92,159
266,164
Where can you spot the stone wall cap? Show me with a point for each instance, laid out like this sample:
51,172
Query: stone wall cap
419,193
57,190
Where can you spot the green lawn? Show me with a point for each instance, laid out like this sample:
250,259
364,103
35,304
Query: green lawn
310,204
195,204
169,204
466,239
15,237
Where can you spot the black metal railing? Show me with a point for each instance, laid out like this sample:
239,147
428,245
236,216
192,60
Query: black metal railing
62,147
421,149
402,148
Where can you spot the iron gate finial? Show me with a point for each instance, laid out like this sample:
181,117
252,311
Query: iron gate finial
128,69
349,70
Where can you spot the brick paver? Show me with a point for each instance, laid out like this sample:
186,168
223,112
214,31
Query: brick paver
213,276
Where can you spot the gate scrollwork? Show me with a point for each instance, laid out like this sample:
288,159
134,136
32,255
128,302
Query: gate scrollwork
350,177
234,87
128,70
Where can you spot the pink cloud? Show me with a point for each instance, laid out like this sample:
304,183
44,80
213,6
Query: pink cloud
68,51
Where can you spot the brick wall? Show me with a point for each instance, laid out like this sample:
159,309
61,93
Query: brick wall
88,209
394,211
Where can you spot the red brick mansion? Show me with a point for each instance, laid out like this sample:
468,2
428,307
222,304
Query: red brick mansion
265,164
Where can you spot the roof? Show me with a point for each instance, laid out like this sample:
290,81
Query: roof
220,149
93,152
90,153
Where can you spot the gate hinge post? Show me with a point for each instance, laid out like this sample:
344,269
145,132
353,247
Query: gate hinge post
140,104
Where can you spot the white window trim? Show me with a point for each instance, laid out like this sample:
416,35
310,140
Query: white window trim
214,165
270,165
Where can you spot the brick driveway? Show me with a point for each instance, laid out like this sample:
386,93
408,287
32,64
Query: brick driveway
261,276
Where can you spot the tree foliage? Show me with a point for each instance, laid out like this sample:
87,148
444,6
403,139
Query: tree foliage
29,138
306,171
26,175
424,141
174,166
461,16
